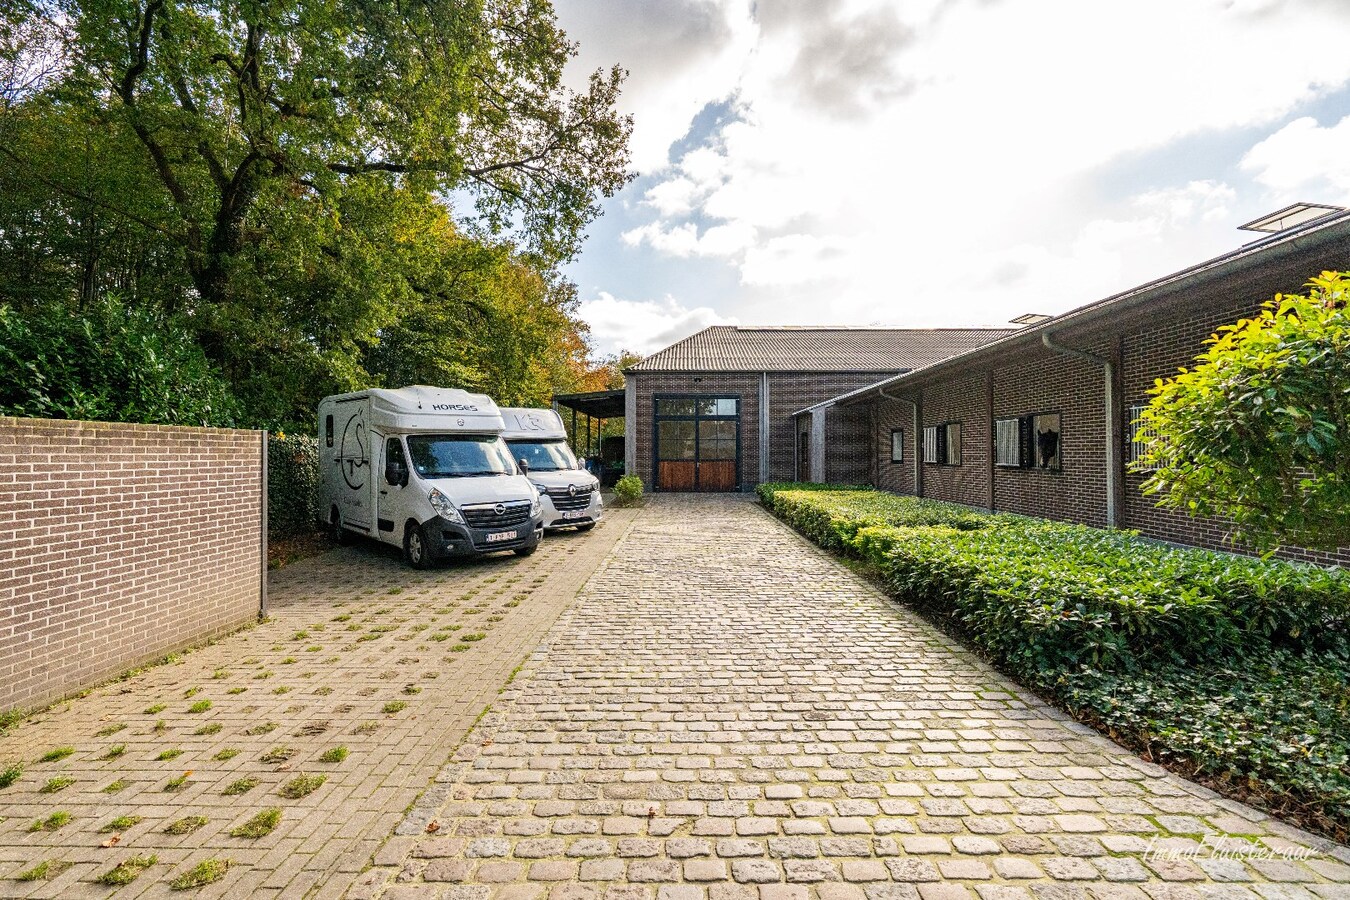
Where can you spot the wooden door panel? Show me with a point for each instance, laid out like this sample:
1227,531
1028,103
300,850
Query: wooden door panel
675,475
718,475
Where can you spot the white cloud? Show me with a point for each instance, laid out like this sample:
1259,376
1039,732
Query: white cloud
958,161
643,326
1304,156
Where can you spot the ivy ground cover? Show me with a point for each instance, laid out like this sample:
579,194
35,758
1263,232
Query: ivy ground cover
1232,670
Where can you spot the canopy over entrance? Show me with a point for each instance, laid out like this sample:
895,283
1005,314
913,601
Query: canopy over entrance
603,455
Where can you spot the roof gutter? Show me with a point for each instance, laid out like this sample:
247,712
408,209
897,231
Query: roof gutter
1109,377
918,429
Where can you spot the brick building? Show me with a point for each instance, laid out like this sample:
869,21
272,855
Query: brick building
714,412
1039,421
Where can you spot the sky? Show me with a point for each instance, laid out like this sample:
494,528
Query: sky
927,163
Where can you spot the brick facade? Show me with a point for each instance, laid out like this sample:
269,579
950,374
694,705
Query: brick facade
121,543
744,386
793,391
1143,344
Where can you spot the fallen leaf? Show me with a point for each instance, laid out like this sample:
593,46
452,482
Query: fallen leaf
433,826
112,841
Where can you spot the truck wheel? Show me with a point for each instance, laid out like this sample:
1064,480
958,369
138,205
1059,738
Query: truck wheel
526,551
416,548
586,527
336,532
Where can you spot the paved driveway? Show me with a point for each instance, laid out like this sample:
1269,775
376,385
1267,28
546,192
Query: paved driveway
380,667
728,713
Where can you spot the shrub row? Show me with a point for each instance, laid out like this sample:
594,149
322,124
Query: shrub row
293,487
1042,596
1235,670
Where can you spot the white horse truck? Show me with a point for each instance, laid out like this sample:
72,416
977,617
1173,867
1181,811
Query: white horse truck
426,469
570,495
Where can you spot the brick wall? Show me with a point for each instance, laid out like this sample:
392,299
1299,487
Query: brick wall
964,399
898,477
742,385
118,544
793,391
1052,383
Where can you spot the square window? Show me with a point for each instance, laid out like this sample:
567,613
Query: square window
1045,435
897,445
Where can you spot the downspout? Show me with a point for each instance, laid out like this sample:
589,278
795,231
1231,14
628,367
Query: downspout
916,431
1108,372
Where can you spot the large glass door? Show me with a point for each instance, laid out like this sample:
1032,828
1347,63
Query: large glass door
698,443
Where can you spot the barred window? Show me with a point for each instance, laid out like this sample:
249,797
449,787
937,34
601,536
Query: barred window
942,444
1140,434
1008,442
931,452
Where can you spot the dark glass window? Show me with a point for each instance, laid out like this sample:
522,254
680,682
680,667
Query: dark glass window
328,430
716,439
674,407
460,456
676,440
897,445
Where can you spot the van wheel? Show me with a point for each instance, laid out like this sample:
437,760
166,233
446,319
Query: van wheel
416,548
526,551
586,527
336,532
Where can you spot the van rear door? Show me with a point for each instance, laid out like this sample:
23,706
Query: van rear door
355,479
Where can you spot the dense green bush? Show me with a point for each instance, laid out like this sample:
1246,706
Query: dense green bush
107,362
1236,665
628,491
293,485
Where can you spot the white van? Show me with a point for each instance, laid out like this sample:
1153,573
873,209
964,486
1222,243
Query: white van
570,495
426,469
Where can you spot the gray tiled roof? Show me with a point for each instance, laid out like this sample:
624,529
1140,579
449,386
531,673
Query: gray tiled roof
728,348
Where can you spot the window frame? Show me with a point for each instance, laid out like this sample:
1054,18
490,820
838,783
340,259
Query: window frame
1026,438
1132,443
1019,461
941,433
900,458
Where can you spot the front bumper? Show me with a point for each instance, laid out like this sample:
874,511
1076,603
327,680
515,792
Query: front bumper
555,518
448,540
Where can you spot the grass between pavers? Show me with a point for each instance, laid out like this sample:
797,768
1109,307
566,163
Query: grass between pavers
1230,670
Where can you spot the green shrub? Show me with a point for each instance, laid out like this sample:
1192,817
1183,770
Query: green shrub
628,491
293,485
110,361
1239,667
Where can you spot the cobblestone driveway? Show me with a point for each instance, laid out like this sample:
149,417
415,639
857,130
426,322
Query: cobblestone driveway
367,676
727,713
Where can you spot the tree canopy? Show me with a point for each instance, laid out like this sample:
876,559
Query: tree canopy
1258,431
327,195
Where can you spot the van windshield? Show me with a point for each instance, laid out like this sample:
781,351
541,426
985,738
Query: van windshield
459,455
545,456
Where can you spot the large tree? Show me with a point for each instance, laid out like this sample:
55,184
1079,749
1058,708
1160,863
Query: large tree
1258,430
303,181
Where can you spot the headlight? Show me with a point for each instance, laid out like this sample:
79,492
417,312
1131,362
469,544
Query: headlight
536,507
444,508
539,487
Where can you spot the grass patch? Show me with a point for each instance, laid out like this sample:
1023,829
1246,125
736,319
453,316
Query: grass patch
301,786
281,689
118,785
393,706
185,825
236,690
175,784
366,728
110,730
411,689
203,873
242,786
54,822
277,755
114,751
56,755
226,754
191,692
470,638
10,774
264,728
334,755
127,871
259,826
121,823
156,708
212,728
218,674
322,691
460,648
172,753
200,706
54,785
43,870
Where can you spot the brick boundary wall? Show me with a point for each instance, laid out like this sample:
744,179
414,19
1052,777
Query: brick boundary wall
119,544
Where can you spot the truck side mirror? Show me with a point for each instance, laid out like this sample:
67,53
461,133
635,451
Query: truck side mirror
396,472
524,466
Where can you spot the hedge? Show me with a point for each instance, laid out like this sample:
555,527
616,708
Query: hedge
1236,665
293,488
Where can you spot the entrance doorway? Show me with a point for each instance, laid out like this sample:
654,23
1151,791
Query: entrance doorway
698,443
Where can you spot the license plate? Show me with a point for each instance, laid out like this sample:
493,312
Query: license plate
502,536
575,514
